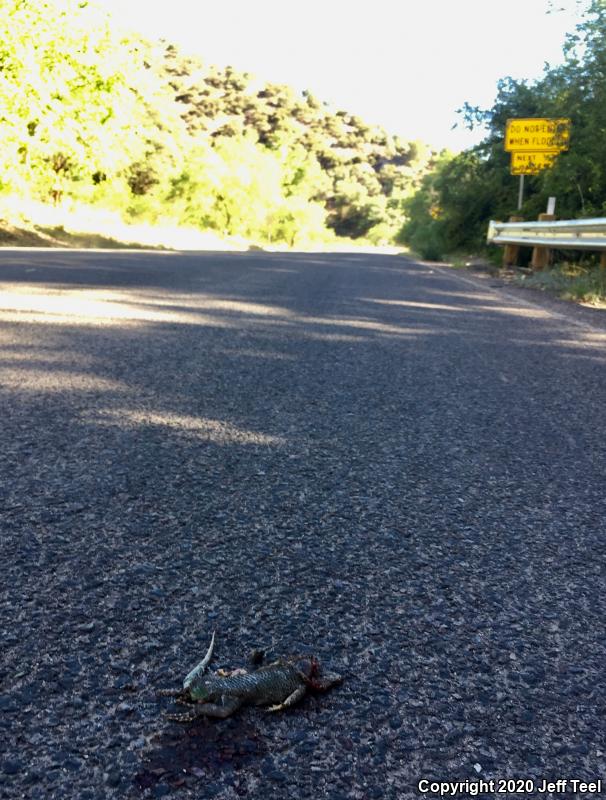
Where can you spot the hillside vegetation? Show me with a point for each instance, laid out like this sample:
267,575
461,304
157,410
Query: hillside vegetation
93,115
451,210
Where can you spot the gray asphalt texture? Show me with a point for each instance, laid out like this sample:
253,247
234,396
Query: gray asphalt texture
393,466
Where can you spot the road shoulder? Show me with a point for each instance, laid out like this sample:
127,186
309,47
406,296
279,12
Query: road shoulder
502,283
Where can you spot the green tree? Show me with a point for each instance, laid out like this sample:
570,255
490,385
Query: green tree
476,185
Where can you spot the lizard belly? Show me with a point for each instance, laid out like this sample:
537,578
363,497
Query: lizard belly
274,689
266,686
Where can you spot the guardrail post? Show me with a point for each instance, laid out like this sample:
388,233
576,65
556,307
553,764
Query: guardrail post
541,256
512,251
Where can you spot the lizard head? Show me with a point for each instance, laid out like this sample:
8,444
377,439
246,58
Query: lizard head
308,666
316,678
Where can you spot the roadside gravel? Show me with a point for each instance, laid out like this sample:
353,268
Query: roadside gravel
352,455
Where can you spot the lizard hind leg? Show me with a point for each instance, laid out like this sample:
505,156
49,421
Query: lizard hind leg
290,700
207,710
192,716
169,692
220,711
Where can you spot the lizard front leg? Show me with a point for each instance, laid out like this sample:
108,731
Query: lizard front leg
290,700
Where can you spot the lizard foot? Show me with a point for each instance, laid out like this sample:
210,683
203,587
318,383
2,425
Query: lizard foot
290,700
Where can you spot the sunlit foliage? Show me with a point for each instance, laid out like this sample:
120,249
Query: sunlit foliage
359,173
92,114
78,105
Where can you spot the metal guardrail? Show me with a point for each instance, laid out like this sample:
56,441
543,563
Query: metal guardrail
575,234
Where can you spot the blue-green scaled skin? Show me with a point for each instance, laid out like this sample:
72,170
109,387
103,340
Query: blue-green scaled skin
278,685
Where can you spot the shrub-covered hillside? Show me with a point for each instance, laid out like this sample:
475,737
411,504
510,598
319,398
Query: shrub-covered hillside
92,114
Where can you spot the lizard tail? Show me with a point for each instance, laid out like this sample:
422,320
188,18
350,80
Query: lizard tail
201,667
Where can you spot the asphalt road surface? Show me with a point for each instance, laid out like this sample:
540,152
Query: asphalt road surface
396,467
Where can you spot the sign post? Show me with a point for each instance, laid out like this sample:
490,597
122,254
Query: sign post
521,192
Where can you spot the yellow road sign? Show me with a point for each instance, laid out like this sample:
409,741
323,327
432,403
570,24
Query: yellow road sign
531,163
537,135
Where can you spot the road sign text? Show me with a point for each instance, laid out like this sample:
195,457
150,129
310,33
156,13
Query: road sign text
537,135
